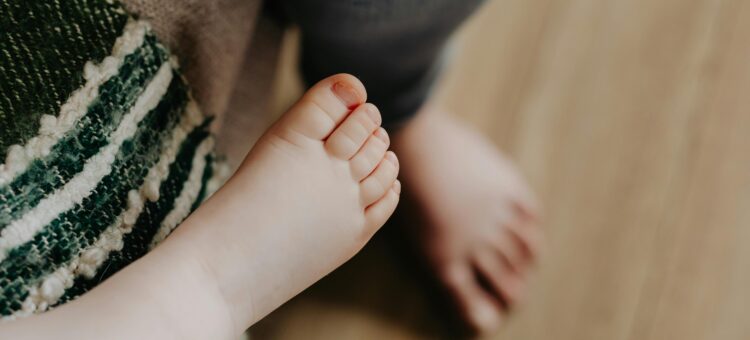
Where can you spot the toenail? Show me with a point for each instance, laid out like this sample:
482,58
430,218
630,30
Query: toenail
347,94
382,134
392,157
373,113
397,187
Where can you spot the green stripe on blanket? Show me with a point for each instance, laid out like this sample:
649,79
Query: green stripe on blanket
79,227
43,48
91,133
103,150
136,243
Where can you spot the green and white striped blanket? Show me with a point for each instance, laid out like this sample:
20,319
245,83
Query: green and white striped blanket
104,150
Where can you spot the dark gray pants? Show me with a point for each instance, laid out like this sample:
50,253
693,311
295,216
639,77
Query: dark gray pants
393,46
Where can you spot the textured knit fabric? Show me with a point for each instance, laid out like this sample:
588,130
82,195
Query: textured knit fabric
105,151
229,79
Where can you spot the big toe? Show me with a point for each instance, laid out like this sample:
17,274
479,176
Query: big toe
324,106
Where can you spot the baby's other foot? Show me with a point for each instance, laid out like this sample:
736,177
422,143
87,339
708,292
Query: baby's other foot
477,223
308,196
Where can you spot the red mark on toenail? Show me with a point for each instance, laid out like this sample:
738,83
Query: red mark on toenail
347,94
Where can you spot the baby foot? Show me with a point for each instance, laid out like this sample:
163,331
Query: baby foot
307,197
477,224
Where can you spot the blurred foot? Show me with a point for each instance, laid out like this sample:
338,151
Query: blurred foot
477,217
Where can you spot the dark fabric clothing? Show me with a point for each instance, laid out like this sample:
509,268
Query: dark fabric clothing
394,46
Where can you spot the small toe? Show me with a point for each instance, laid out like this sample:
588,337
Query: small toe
526,204
507,243
349,137
380,180
477,307
529,238
368,157
496,271
324,106
379,212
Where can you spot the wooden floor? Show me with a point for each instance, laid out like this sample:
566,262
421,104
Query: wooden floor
631,119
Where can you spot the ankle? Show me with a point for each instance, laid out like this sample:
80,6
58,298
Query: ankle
213,277
201,241
225,305
189,303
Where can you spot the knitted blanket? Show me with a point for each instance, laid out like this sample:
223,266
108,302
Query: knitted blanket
105,151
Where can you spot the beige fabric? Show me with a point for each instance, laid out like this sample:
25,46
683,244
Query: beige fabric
247,115
209,38
228,78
